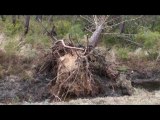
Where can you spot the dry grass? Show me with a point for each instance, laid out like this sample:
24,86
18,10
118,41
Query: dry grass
141,97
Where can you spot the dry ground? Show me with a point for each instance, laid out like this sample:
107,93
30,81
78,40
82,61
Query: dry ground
140,97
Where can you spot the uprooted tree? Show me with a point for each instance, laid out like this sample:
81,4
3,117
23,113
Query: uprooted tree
83,71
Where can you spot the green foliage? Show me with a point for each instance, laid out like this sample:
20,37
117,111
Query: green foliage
123,53
62,27
153,54
108,40
10,29
114,40
76,31
157,28
36,35
122,69
35,40
35,28
132,27
11,47
149,39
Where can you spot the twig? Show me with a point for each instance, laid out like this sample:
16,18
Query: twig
87,42
68,77
112,19
71,43
104,19
56,97
54,79
88,29
117,34
87,19
70,40
87,47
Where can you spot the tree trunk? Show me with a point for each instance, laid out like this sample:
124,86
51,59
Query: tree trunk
50,18
18,16
53,32
14,19
3,18
39,17
94,39
27,19
154,22
122,27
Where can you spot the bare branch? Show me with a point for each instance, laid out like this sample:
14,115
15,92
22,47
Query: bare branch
88,29
70,39
125,21
117,34
112,20
87,19
66,46
105,19
95,20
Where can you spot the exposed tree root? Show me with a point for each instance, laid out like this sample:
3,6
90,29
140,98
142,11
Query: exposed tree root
77,74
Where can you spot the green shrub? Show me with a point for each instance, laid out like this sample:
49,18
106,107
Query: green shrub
108,40
36,39
152,55
62,27
35,27
10,29
76,31
11,47
131,27
122,69
114,40
149,39
123,53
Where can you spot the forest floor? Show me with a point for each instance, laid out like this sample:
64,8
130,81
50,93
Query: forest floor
14,91
141,97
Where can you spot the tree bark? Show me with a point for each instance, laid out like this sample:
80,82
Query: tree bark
122,27
50,18
53,32
27,19
94,39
